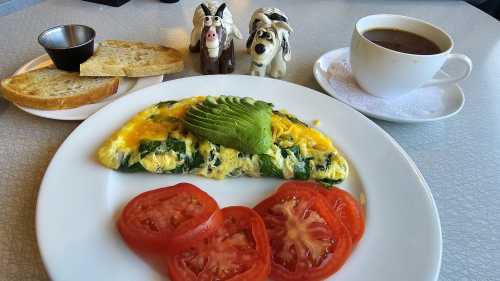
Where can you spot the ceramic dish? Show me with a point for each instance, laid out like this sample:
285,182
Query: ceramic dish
333,73
79,200
127,85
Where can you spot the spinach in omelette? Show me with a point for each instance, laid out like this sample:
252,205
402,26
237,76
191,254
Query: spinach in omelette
220,137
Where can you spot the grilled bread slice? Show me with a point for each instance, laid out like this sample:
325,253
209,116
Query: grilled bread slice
132,59
51,88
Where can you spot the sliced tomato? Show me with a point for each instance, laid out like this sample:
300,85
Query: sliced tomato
348,210
308,241
162,221
343,204
237,251
301,185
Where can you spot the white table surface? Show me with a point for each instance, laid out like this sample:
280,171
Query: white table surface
459,157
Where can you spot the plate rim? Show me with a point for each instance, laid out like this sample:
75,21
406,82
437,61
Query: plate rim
422,182
138,85
331,92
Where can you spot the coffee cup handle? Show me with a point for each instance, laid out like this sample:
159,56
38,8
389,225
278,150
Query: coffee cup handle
458,57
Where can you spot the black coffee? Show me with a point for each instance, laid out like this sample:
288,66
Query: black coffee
402,41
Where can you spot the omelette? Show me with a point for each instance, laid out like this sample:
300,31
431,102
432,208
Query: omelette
158,140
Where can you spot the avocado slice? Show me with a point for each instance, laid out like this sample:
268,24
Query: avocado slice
240,123
236,107
215,122
210,119
214,128
242,107
229,108
216,136
224,110
202,130
204,112
246,102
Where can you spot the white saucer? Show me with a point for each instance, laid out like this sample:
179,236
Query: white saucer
126,86
333,73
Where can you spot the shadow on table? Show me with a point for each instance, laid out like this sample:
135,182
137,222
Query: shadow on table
3,105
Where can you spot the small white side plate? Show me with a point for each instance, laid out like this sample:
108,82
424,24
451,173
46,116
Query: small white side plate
333,73
127,85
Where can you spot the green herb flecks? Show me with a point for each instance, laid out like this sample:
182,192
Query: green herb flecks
148,146
166,103
124,166
302,169
158,118
326,163
267,167
152,146
196,161
329,182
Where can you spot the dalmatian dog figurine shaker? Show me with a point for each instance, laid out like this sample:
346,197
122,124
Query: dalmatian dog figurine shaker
268,43
212,36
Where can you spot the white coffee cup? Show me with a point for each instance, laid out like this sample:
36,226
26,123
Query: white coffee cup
384,72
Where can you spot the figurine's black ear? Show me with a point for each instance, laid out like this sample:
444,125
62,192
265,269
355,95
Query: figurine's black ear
250,39
286,48
206,10
283,30
276,16
220,10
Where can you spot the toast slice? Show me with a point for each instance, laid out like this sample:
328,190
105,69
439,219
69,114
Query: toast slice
51,88
132,59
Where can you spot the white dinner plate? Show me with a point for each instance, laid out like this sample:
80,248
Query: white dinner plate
79,200
127,85
333,72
